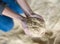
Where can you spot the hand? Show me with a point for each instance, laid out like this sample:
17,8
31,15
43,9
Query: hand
34,15
29,18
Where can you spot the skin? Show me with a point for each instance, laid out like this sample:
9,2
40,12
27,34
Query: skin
27,11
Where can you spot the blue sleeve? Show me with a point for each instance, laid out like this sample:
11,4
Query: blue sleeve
6,23
14,6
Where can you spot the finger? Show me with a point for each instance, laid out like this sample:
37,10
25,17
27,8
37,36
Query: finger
38,17
41,18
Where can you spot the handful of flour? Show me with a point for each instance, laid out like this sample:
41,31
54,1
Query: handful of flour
35,27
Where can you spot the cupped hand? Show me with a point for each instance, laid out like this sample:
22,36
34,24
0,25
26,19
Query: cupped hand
27,19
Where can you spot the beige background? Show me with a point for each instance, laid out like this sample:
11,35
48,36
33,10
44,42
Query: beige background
50,10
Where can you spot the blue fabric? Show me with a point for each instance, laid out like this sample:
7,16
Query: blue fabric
6,23
14,6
